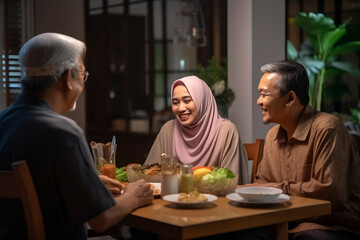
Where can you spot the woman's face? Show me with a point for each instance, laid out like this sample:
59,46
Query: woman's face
183,106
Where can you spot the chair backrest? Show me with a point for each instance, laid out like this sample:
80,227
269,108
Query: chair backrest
18,184
255,153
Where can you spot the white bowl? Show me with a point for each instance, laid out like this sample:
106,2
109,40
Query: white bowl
259,194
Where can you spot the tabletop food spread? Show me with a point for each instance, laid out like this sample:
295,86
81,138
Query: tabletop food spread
209,183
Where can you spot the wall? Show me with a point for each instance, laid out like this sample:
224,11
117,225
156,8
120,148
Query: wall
256,36
66,17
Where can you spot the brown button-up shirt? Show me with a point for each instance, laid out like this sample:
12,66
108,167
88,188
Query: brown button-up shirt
319,161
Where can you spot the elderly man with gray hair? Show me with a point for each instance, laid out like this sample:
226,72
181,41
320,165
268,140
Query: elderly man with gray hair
32,129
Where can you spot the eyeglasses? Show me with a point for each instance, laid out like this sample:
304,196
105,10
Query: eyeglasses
86,74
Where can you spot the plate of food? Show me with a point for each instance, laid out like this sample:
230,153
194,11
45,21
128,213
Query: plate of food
237,198
191,200
150,173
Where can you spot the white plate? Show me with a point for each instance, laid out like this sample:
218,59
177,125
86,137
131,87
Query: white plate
173,198
235,197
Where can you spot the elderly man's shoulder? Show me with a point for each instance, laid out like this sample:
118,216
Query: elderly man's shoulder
53,122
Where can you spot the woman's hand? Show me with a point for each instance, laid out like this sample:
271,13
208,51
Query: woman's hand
114,186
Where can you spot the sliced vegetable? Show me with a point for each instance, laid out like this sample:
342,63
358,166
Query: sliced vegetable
197,167
201,172
121,174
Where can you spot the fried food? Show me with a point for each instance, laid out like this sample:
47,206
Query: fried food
193,196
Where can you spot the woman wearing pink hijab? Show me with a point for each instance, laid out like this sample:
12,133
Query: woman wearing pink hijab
198,135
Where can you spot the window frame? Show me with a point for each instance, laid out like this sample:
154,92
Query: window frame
16,26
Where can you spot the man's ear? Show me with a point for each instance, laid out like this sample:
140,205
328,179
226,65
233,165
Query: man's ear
291,98
66,76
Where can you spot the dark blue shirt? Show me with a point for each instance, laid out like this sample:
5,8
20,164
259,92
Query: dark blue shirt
61,165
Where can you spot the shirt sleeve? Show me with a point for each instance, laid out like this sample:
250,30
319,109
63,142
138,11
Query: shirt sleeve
162,144
331,169
81,190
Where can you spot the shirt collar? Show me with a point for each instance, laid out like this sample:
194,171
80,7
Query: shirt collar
30,99
302,129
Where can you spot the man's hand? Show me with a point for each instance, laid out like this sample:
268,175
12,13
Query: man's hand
141,190
114,186
135,195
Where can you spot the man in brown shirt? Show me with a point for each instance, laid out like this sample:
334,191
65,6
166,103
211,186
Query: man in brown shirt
308,154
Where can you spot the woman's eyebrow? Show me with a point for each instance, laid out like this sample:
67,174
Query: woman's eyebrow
183,97
187,96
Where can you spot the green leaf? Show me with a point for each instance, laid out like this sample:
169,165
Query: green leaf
329,39
311,65
336,90
312,93
292,53
350,47
347,67
307,49
333,72
313,23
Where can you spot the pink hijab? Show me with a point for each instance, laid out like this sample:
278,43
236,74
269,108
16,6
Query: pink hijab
194,144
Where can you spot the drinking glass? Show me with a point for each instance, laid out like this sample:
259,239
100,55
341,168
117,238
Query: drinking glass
104,157
186,183
169,175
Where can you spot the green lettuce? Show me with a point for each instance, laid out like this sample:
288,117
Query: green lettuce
121,174
218,174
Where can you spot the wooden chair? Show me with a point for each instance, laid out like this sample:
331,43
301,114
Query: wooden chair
18,184
255,153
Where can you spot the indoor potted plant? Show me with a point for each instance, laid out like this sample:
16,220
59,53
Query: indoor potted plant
321,54
215,76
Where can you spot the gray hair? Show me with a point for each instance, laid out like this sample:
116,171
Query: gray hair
45,57
293,77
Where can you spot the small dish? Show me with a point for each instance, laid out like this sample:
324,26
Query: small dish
156,187
280,199
173,198
259,194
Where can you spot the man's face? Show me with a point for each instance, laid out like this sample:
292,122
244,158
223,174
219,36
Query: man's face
77,83
272,105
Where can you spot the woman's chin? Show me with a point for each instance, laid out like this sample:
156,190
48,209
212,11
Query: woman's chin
185,122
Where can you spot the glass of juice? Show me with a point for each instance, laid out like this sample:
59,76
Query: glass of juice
109,170
104,157
186,184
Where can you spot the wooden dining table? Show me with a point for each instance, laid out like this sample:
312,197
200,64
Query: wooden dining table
168,221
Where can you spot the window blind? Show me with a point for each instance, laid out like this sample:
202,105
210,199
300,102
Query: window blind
11,38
